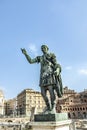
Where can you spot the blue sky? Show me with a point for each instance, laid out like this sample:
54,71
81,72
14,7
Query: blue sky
61,24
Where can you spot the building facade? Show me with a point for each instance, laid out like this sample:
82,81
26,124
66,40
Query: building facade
29,101
10,107
75,104
1,102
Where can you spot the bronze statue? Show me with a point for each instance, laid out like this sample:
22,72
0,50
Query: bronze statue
50,77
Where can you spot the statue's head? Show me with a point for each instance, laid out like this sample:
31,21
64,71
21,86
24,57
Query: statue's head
44,48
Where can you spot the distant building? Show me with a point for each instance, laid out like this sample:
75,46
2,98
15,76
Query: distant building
29,100
1,102
75,104
68,92
10,107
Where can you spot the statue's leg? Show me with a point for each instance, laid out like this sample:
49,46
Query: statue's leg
44,95
52,96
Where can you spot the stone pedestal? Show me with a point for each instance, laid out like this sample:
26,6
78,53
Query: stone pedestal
50,117
60,125
57,121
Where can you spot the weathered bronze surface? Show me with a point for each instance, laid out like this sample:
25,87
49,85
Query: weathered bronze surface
50,77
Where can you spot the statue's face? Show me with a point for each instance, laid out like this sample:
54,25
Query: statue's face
44,49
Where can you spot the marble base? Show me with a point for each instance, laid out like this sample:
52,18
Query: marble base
61,125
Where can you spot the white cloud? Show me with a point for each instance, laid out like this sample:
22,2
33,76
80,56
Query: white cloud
68,67
33,49
83,71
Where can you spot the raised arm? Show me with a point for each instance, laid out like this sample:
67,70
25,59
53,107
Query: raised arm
31,61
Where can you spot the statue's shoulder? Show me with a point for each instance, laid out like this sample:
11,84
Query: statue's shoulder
38,58
52,55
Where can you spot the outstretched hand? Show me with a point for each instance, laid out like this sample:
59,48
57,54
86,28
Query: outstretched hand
23,51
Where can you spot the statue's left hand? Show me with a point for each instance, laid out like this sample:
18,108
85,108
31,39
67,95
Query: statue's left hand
57,72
